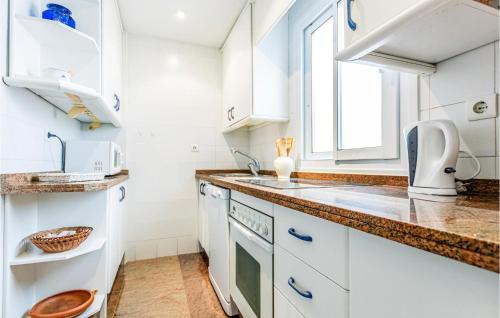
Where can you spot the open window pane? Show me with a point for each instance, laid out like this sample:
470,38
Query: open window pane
322,78
360,106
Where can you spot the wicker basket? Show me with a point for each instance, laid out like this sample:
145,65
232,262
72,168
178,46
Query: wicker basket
60,244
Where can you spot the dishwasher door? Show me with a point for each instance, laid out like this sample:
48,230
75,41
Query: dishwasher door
217,200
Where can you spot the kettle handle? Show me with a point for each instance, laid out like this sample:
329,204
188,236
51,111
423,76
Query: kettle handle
451,137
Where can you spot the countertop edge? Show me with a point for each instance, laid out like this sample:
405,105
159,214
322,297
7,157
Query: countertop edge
19,184
434,242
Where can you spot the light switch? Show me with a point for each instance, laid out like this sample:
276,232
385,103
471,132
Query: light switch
195,148
482,107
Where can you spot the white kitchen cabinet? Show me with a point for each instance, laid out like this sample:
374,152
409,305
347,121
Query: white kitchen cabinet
398,34
35,49
313,294
283,308
116,231
267,13
112,57
320,243
203,230
237,70
392,280
254,77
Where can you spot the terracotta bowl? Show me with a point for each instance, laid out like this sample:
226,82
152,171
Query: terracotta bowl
64,305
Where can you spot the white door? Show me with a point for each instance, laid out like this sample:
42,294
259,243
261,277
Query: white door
267,13
202,217
112,56
251,272
218,233
367,15
237,71
116,231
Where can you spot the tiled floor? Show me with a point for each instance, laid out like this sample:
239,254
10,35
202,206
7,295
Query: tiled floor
168,287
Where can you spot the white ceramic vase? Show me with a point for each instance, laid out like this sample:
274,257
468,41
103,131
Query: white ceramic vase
284,167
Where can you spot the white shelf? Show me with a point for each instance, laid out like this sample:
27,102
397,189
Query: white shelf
55,93
36,255
427,33
95,307
56,34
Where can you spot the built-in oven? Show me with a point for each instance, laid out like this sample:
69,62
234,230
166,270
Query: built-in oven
251,261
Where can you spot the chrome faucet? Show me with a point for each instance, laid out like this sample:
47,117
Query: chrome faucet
254,165
63,150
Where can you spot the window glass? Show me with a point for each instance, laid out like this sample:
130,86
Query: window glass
359,106
322,82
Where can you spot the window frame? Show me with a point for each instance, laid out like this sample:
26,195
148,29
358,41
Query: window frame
318,21
390,100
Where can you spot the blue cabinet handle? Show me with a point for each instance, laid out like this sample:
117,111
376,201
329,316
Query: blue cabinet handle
117,105
306,294
350,22
306,238
122,189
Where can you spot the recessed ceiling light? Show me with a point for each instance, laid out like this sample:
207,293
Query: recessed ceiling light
180,15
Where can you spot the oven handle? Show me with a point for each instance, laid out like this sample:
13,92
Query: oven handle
251,236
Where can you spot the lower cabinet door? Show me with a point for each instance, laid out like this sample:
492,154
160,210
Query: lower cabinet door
116,231
283,308
312,293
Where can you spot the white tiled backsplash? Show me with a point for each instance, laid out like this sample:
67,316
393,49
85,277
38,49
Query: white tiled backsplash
444,95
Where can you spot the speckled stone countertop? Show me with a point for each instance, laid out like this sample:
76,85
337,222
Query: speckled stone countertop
465,229
21,183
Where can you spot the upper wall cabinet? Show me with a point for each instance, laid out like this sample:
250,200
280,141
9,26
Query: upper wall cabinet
112,56
61,63
267,13
414,35
255,77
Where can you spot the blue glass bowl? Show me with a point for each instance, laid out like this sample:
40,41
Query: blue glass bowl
57,12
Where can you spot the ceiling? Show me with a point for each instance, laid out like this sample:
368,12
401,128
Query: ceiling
206,22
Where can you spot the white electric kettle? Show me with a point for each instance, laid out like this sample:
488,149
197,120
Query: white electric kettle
433,147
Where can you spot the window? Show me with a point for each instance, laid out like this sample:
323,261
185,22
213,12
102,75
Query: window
319,79
351,110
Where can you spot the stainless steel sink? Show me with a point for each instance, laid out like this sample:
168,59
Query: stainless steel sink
243,176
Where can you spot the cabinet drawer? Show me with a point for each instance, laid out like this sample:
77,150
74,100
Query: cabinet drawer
321,244
313,294
283,308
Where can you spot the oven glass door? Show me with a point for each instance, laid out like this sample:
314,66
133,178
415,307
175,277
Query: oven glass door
251,279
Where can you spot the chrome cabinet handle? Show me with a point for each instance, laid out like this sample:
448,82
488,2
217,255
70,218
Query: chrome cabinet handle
232,113
202,188
306,294
302,237
229,114
350,22
122,189
117,104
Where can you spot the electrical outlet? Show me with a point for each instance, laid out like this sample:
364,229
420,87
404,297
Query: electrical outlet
195,148
482,107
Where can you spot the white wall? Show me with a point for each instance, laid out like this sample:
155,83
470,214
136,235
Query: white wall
444,96
174,100
24,120
441,95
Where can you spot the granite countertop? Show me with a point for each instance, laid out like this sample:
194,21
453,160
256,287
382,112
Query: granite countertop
21,183
466,228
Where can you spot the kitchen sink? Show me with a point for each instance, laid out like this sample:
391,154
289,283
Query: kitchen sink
294,183
243,176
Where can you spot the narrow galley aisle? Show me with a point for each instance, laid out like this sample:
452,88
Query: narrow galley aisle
167,287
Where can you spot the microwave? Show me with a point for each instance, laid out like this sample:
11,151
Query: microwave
93,157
